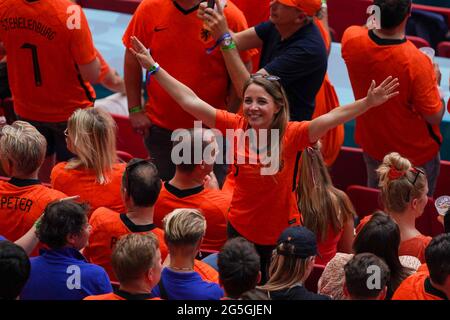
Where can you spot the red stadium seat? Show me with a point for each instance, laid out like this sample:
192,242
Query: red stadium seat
427,223
365,200
124,156
443,181
128,140
349,168
8,110
443,49
418,42
313,279
345,13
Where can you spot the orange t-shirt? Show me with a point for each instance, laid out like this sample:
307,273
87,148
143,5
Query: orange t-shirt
43,54
22,202
417,287
82,182
327,100
174,36
107,227
118,296
415,247
399,124
264,205
254,17
206,272
412,247
213,204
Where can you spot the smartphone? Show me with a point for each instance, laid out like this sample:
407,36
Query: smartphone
211,4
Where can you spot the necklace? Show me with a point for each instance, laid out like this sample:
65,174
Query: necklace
182,269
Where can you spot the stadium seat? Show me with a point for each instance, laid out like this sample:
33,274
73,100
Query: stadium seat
443,49
349,168
345,13
128,140
418,42
124,156
8,110
313,279
443,181
365,200
427,223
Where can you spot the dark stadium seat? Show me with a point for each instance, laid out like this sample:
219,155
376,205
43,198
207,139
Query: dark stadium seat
443,49
349,168
365,200
313,279
443,181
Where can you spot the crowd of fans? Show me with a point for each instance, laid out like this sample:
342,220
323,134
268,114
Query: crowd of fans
203,228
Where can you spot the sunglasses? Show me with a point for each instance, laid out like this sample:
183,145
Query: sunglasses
417,172
130,167
265,76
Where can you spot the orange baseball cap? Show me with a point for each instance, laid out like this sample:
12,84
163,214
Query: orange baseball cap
310,7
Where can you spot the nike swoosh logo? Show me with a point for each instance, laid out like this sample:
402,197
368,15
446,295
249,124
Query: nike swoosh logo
158,29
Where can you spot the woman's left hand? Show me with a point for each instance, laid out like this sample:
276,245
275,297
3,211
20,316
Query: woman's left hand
382,93
215,21
141,53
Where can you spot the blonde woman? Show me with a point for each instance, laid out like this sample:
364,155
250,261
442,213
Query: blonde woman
325,210
291,266
95,173
404,190
22,198
263,204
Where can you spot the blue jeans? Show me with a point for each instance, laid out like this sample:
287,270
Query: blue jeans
431,169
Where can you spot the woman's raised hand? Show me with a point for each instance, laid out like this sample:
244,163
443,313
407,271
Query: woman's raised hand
141,53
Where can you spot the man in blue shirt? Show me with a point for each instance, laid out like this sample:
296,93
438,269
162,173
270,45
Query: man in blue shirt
181,280
61,272
292,49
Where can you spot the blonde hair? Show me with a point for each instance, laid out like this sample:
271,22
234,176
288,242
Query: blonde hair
399,182
133,255
24,146
184,227
93,135
320,203
286,271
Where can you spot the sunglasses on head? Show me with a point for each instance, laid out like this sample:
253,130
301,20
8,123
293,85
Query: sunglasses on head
417,172
265,76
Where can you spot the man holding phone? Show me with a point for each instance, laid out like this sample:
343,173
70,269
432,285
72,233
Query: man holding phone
292,49
179,41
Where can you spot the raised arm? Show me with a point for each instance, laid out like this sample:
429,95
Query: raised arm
183,95
247,39
375,97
